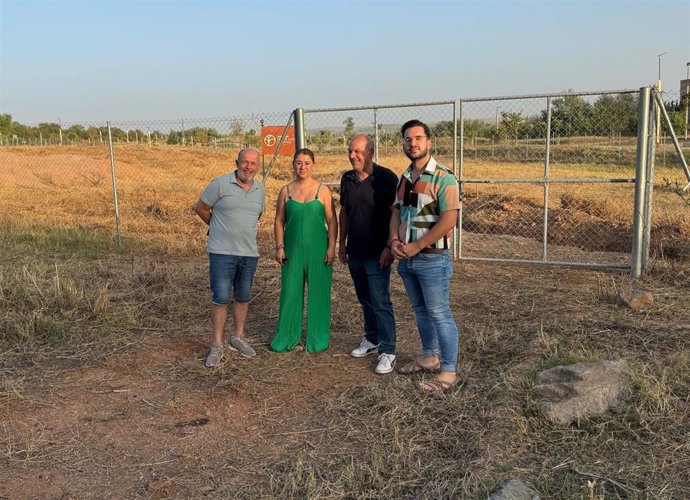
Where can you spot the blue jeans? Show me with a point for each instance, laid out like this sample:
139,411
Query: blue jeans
373,288
231,274
426,278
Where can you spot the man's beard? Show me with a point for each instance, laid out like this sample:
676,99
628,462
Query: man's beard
243,178
415,156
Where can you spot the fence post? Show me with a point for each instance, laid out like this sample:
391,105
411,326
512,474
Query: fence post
640,182
267,171
118,235
649,185
376,137
300,141
547,164
457,170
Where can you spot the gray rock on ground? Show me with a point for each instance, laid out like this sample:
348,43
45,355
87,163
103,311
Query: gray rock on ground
635,298
582,390
514,489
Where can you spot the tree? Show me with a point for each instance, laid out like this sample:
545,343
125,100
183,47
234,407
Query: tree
236,127
443,128
571,115
252,139
511,122
76,132
349,132
616,115
534,127
473,128
5,123
49,131
323,138
173,137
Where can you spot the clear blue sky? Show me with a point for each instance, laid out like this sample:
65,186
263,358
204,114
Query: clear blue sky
81,61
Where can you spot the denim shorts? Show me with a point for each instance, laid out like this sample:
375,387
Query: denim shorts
231,275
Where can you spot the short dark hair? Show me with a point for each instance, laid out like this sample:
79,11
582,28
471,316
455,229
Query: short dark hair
415,123
304,151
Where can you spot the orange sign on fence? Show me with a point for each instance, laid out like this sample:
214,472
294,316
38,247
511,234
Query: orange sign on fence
270,137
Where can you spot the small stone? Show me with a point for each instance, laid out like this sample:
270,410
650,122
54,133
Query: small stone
161,488
582,390
514,489
635,298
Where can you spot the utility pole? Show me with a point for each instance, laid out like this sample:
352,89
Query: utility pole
687,97
658,88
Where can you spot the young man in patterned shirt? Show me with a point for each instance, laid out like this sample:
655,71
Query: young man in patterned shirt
424,213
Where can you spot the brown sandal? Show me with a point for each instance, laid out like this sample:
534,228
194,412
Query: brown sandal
416,366
437,386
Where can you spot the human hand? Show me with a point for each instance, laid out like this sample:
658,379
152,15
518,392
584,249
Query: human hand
410,249
330,256
386,258
342,254
280,256
397,249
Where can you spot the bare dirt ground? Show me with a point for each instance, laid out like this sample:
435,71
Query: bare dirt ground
141,416
151,410
103,391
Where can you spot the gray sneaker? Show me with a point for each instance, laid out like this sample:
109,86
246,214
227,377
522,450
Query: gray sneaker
240,345
214,355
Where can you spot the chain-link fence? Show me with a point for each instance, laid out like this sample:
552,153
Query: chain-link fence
327,132
68,176
550,179
546,178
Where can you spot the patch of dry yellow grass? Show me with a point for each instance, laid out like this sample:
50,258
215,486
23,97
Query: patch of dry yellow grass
157,186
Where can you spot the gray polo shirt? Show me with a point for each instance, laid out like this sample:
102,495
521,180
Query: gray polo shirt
235,214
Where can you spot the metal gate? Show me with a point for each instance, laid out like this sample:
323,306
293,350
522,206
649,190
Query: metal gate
557,179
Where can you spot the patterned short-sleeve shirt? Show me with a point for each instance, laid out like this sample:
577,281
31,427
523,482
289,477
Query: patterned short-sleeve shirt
422,202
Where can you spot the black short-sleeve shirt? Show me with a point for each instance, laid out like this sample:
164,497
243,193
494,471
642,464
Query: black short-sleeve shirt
368,208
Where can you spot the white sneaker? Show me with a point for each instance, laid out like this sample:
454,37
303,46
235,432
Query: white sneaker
365,347
386,364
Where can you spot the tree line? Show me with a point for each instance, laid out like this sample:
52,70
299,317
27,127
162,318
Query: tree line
611,115
14,133
571,116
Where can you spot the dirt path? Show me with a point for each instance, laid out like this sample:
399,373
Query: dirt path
120,428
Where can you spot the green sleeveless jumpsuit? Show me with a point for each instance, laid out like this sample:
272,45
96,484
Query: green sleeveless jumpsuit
306,242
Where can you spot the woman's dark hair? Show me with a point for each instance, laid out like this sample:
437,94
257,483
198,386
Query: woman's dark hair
304,151
416,123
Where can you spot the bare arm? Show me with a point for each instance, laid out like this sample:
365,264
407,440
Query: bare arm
394,234
342,249
203,211
443,226
279,226
332,223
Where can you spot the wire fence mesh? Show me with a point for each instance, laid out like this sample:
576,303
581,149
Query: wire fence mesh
160,169
545,178
549,178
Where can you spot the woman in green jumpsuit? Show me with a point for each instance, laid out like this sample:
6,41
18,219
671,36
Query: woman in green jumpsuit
305,232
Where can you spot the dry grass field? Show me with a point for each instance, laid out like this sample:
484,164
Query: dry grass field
103,392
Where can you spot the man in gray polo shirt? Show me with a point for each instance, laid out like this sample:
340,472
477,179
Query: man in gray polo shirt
231,205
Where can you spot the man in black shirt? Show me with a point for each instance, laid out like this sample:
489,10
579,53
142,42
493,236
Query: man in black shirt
366,195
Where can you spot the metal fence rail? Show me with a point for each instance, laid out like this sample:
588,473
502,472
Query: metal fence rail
563,179
546,178
136,180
